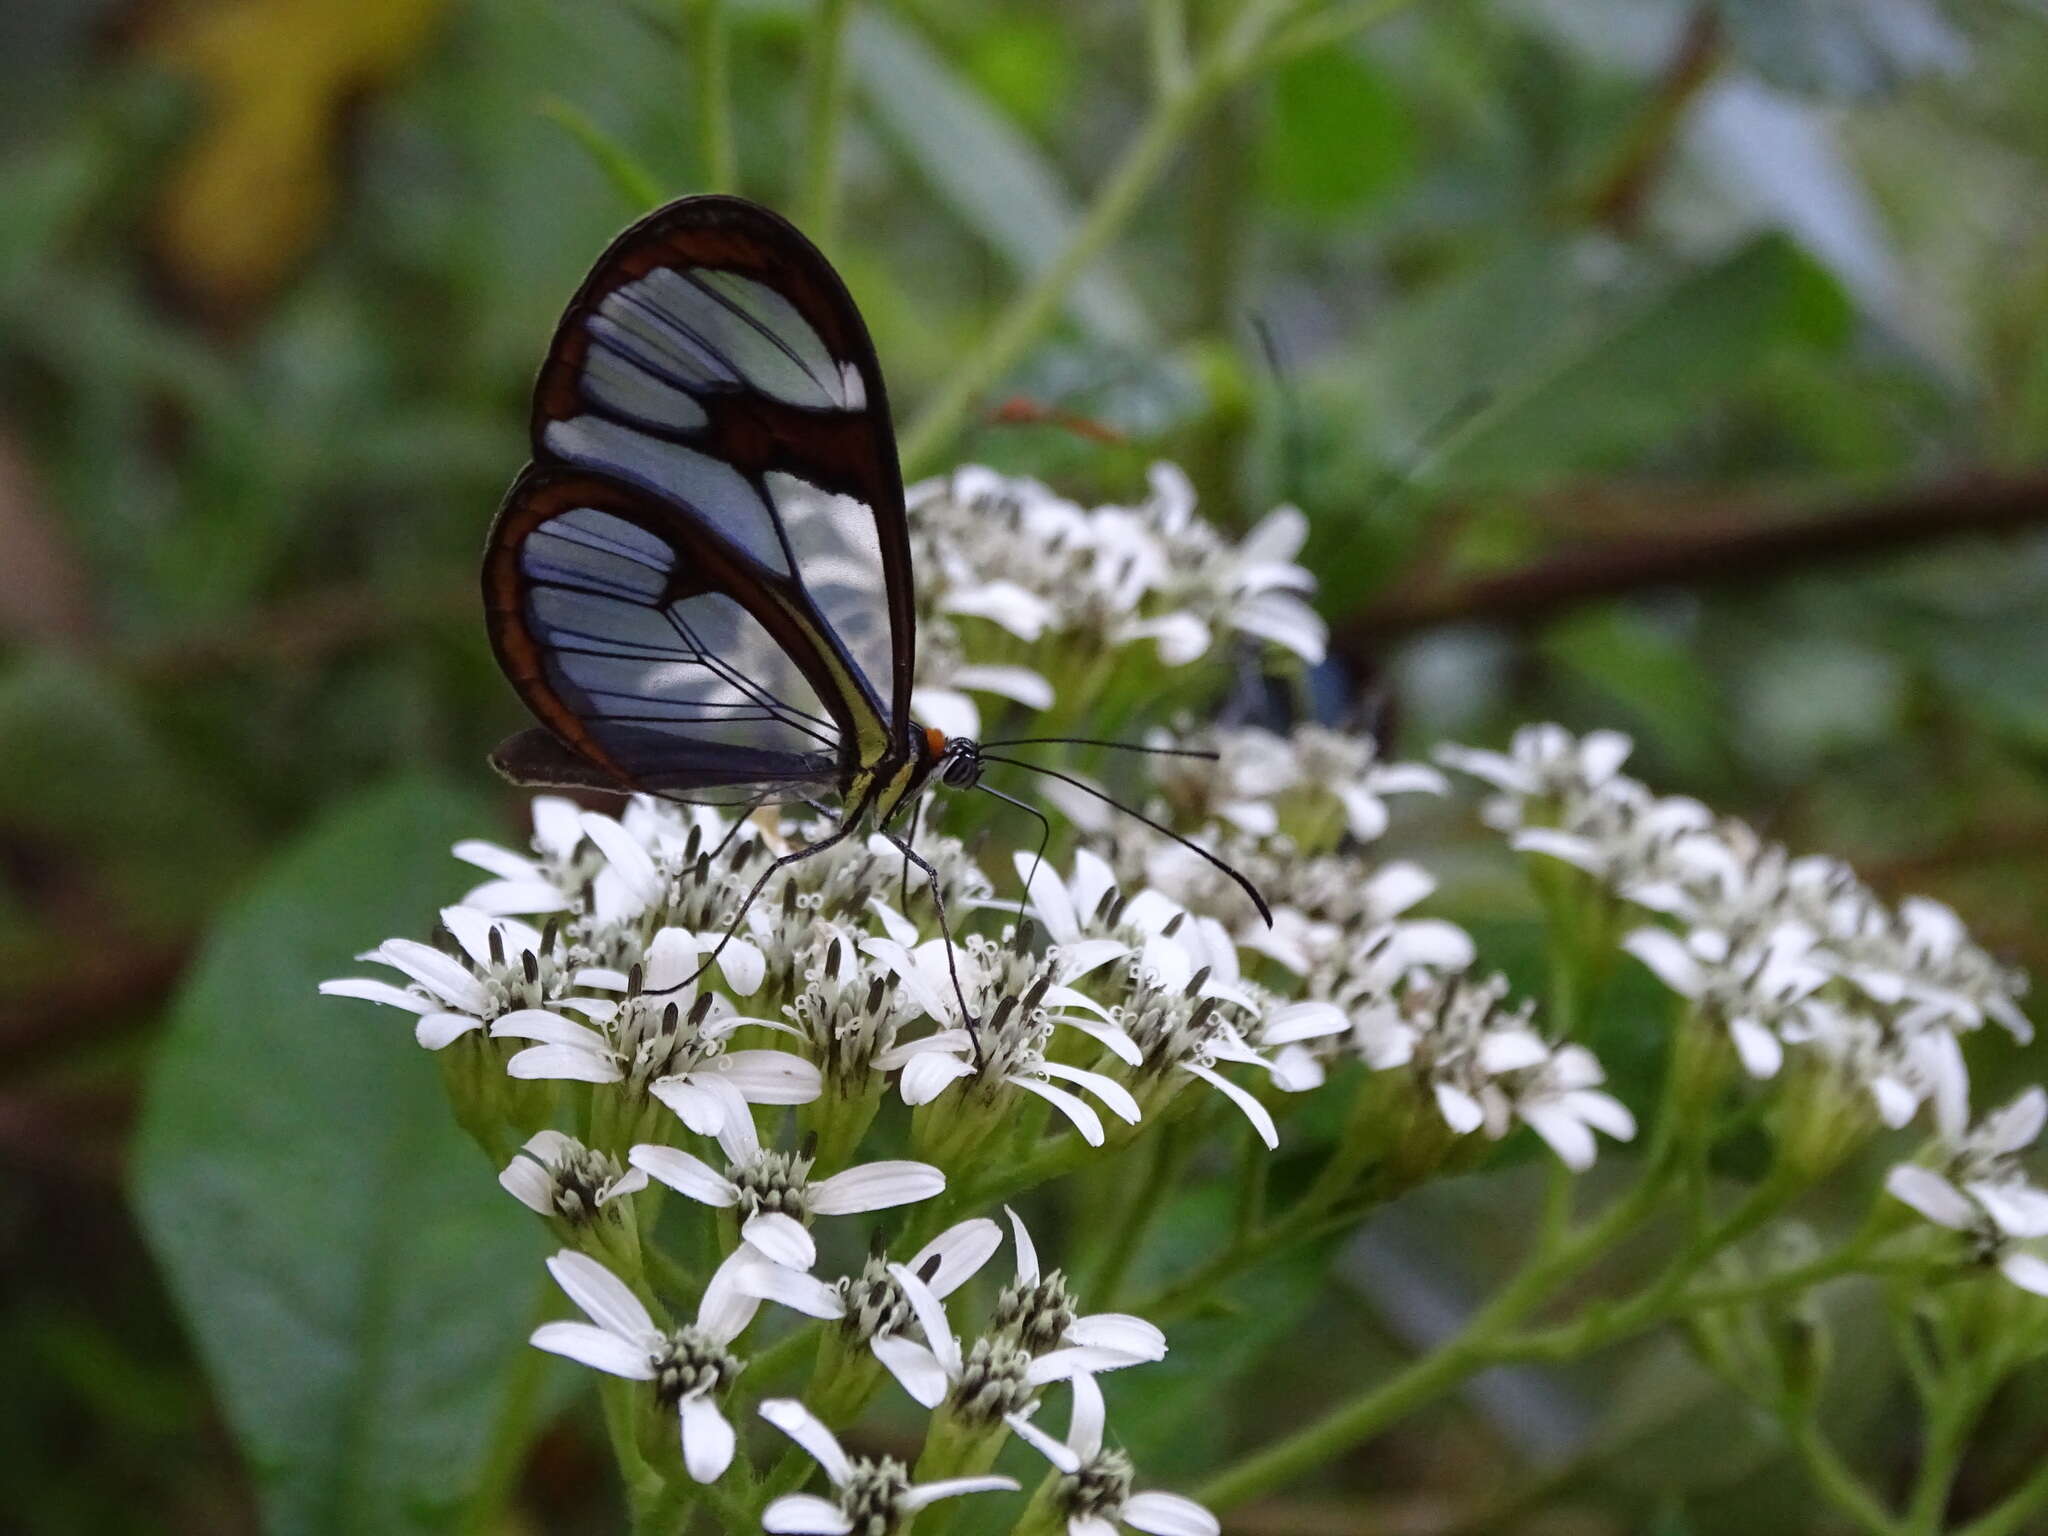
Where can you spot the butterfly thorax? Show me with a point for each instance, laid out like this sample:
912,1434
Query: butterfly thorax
886,788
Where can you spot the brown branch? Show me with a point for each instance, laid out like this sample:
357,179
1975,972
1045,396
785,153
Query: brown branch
1617,202
1750,551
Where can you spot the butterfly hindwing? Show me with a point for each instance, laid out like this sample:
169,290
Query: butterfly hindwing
647,648
711,388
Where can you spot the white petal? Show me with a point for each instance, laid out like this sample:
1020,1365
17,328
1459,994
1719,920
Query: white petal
702,1106
929,1074
876,1187
1168,1514
1601,1111
1108,1089
1108,1036
2026,1270
1896,1102
805,1514
1120,1331
782,1238
1302,1021
931,1317
1761,1051
447,978
1666,955
2018,1125
953,1487
916,1369
1085,1120
1568,1136
1286,621
739,1141
492,859
730,1301
684,1173
1511,1050
1931,1195
565,1062
1073,1362
743,966
605,1299
529,1183
1365,813
371,991
627,859
596,1348
1018,683
435,1031
672,958
1027,1251
794,1289
1276,538
1022,612
548,1028
769,1077
1254,1111
2019,1209
808,1431
708,1439
961,1250
1055,1451
1462,1113
1567,846
946,709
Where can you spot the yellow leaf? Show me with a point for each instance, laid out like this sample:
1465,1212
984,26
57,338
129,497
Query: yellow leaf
255,187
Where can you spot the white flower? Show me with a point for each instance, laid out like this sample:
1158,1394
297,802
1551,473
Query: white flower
1750,989
665,1039
1037,1310
689,1366
1264,586
549,881
878,1313
1560,1102
556,1175
944,702
1095,1494
873,1498
1018,998
1977,1185
999,1373
775,1193
508,969
1543,762
638,878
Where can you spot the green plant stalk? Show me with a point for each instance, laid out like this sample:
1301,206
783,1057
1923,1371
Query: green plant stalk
1222,66
1950,1419
511,1430
2015,1512
1835,1482
1169,1154
1438,1371
706,31
825,84
635,184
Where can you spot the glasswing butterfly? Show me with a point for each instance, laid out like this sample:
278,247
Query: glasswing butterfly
701,584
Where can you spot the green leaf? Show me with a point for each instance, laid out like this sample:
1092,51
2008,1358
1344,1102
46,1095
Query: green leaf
356,1282
989,173
1652,370
1338,135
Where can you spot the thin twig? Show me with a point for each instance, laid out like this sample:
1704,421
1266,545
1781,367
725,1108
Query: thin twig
1741,553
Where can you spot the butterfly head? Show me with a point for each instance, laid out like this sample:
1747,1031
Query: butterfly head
958,759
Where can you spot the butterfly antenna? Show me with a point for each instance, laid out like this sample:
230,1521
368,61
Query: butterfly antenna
1097,741
1189,843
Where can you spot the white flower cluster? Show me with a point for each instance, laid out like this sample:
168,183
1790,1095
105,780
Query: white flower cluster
1797,960
1294,814
1051,575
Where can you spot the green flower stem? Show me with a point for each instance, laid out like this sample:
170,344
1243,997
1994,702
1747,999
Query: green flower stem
511,1431
1831,1476
1443,1368
647,1491
766,1366
825,88
706,31
2013,1514
1950,1420
1222,66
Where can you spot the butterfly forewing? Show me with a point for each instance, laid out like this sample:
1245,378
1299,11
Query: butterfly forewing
701,585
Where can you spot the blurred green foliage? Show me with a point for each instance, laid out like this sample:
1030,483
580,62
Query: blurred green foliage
1488,287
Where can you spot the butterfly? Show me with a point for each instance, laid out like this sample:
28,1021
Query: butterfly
701,585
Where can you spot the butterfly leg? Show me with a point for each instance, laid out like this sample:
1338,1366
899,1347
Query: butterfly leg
909,837
1044,838
832,839
945,928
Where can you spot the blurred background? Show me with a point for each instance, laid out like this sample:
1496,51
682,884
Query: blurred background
1675,365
